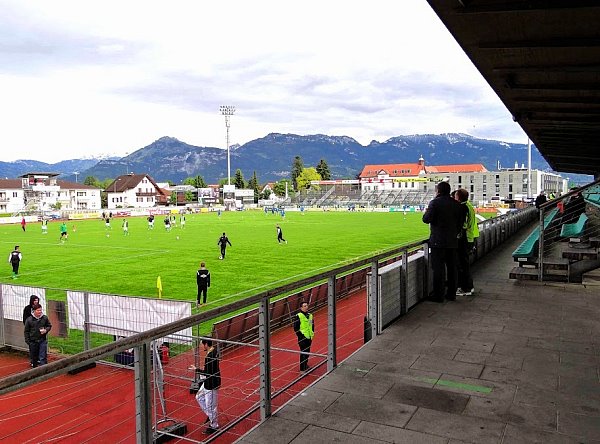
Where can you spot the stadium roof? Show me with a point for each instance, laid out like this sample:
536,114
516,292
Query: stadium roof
542,58
465,168
416,169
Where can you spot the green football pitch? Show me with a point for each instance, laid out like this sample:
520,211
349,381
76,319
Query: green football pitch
106,261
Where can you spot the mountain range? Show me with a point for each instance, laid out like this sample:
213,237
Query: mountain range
272,157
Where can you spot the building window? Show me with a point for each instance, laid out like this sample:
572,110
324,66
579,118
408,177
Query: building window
510,188
484,188
459,179
14,194
472,189
149,199
497,178
510,178
484,178
472,179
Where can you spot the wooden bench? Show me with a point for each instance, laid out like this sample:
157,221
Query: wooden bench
574,229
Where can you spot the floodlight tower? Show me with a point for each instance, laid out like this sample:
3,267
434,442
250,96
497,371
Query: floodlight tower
227,111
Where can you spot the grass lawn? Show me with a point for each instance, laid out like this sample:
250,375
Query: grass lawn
106,261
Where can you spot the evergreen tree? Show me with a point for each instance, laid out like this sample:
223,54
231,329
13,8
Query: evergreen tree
323,170
253,185
279,187
297,168
238,181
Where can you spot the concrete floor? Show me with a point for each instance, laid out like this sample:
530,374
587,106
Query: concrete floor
516,363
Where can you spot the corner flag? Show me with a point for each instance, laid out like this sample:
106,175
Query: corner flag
159,286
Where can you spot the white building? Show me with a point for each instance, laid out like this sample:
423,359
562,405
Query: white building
483,186
133,191
42,192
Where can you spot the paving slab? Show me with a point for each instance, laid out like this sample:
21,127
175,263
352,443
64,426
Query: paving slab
517,363
448,425
396,435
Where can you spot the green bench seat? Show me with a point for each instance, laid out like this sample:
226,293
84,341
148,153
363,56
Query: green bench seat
529,247
576,228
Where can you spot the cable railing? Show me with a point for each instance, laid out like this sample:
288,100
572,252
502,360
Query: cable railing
156,399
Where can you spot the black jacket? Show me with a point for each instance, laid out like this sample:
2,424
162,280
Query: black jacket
211,370
445,217
203,278
32,328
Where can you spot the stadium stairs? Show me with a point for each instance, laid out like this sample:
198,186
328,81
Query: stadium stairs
570,250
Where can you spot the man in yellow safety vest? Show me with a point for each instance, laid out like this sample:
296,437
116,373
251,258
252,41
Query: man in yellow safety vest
304,328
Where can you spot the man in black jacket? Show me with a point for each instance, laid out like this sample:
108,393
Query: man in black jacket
203,282
14,259
207,396
445,217
222,242
37,327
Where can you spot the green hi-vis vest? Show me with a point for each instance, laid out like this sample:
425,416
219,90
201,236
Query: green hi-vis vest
306,325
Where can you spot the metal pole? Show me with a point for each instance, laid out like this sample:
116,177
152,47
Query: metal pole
331,325
2,334
143,419
426,265
529,195
404,282
541,248
86,321
228,156
374,299
264,341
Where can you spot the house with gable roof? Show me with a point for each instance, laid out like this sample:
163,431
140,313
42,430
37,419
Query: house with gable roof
134,191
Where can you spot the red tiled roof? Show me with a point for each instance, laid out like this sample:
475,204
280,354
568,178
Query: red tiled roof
392,169
128,182
464,168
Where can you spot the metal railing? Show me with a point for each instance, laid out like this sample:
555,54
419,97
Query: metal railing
492,233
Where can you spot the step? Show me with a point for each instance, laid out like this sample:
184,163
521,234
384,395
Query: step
531,274
594,241
579,254
556,263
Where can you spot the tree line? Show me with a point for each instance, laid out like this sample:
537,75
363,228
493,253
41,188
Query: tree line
300,179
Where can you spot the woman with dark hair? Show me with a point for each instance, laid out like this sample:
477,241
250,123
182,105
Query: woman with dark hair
33,300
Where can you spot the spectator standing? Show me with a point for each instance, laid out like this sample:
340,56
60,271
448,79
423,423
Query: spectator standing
28,310
37,327
203,282
14,258
208,395
540,199
445,217
466,242
305,331
222,242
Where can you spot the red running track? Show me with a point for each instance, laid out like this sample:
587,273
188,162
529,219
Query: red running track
99,403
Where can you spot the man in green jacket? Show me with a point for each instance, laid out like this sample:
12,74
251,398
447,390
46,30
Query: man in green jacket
466,242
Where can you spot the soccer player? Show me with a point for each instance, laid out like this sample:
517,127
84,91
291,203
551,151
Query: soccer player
151,222
182,221
23,223
280,235
64,235
14,258
222,242
167,223
44,226
107,223
125,227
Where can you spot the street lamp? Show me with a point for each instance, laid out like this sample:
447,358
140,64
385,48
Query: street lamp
227,111
76,174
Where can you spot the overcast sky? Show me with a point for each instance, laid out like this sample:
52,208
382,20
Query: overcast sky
84,78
